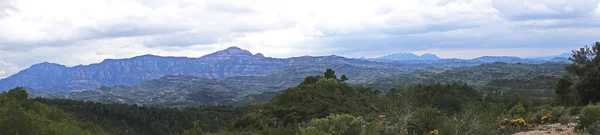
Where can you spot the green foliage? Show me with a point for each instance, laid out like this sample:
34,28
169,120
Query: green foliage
528,80
588,116
310,100
547,114
18,93
427,119
311,80
447,97
19,115
592,129
330,74
343,78
327,96
565,119
585,67
195,128
472,120
133,119
341,124
562,90
517,111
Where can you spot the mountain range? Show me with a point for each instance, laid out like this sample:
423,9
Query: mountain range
221,65
409,56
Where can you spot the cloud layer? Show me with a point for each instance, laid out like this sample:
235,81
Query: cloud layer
74,32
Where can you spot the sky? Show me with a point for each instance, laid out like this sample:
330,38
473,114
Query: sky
75,32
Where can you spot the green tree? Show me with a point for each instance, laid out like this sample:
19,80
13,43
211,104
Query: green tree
311,80
20,115
562,90
18,93
588,116
585,68
343,78
330,74
195,128
341,124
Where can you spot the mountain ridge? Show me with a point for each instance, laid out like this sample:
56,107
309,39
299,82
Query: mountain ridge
230,62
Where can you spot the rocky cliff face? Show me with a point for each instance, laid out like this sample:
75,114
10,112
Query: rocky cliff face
231,62
54,77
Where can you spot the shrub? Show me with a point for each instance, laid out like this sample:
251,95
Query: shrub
588,116
548,115
426,119
517,111
592,129
344,124
565,119
469,121
513,125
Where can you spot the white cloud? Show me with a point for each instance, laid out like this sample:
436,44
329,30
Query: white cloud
74,32
544,9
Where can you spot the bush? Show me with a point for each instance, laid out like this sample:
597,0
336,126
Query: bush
469,121
565,119
549,115
592,129
426,119
588,116
517,111
341,124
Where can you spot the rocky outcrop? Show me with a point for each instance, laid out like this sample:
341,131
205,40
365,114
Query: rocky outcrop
54,77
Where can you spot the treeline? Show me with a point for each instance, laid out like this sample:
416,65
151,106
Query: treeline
126,119
22,116
327,105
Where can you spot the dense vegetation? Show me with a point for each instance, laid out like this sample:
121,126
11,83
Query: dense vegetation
132,119
459,101
22,116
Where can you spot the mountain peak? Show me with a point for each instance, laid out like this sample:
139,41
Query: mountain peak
46,64
409,56
234,48
231,51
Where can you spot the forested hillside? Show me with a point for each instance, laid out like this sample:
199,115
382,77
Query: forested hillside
530,80
22,116
488,99
123,119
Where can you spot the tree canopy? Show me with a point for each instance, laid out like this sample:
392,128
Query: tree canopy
20,115
586,71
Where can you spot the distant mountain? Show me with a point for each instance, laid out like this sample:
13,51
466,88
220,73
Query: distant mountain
183,90
563,55
534,80
507,59
231,62
409,56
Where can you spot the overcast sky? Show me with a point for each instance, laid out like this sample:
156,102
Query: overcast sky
74,32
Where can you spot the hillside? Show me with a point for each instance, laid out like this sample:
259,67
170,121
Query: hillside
231,62
534,80
20,115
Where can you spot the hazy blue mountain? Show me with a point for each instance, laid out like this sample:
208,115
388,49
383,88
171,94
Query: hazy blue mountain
507,59
563,55
409,56
54,77
231,62
534,80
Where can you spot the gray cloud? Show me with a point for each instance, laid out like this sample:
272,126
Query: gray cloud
84,32
523,10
